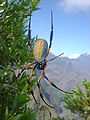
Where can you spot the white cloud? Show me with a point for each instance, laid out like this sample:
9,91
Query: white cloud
73,5
74,56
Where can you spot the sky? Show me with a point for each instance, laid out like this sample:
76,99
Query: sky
71,24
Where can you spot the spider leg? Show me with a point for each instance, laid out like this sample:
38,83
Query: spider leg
23,69
29,34
44,70
32,93
51,34
41,95
38,84
55,85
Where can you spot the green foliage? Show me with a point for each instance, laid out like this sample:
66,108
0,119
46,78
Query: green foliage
14,15
58,118
28,114
13,42
79,101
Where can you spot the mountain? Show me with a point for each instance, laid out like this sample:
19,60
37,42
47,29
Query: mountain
65,72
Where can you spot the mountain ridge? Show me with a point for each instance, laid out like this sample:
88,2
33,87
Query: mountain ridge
65,72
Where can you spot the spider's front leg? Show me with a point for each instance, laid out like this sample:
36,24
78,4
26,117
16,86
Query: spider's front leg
29,34
40,93
25,68
51,34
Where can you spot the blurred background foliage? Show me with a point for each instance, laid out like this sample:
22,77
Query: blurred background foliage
14,15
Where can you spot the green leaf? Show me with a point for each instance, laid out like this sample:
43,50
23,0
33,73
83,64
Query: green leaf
25,88
6,114
86,108
16,117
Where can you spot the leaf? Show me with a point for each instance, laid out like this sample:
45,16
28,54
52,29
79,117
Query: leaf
86,108
2,4
6,114
25,88
16,117
30,115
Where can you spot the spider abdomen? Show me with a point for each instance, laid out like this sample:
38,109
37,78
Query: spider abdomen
40,50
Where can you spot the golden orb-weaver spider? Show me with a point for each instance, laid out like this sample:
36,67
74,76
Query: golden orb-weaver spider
40,52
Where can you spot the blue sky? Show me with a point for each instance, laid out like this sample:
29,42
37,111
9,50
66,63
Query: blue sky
71,25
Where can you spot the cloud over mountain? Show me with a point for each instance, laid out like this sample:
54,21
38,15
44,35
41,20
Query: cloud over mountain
74,56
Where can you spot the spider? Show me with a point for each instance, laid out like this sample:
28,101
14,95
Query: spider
40,53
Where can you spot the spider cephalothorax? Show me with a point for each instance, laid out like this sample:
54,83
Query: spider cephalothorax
40,52
41,65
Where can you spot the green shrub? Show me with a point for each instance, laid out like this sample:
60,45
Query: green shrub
79,101
14,15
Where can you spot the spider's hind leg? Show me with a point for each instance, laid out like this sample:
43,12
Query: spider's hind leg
55,85
32,93
38,84
41,95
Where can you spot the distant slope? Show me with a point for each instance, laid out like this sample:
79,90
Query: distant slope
65,72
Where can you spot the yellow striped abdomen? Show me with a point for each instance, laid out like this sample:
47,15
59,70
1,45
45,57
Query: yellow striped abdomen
40,50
